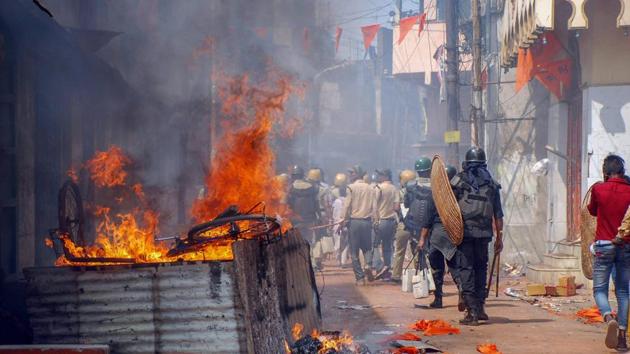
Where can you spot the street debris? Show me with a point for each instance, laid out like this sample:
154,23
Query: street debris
357,307
414,347
434,327
488,348
590,315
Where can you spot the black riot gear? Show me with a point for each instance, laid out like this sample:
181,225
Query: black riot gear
417,200
297,172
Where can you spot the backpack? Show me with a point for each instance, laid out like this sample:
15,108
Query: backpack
417,200
304,203
477,205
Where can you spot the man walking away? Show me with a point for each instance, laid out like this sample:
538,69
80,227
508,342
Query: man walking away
609,203
480,203
358,212
305,207
402,236
387,207
441,249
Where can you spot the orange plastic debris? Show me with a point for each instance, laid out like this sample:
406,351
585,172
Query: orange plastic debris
434,327
591,315
488,348
406,350
406,336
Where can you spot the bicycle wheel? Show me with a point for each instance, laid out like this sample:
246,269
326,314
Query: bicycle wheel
70,212
226,230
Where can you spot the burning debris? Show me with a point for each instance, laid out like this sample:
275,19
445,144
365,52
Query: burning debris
329,342
128,225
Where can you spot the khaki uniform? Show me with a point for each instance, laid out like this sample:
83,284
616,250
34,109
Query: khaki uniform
359,210
387,206
401,240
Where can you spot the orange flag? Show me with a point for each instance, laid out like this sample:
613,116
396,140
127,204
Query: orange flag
406,24
524,68
337,38
423,21
369,32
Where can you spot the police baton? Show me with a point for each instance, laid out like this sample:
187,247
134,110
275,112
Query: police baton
496,260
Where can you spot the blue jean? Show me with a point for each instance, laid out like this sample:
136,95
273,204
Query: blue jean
605,257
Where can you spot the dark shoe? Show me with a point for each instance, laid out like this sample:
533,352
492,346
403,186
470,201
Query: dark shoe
483,316
437,303
369,274
461,305
471,319
612,330
622,343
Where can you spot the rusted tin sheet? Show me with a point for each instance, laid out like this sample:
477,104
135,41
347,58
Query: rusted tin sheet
54,349
172,308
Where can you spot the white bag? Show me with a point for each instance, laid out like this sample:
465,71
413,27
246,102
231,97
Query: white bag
328,244
421,285
407,277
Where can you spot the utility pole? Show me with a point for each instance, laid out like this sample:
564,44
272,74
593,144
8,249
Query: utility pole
477,128
452,75
398,7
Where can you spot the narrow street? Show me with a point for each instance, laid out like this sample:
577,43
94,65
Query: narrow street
515,326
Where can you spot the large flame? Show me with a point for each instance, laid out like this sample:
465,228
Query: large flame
330,343
242,174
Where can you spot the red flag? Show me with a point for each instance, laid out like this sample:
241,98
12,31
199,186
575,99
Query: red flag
406,24
306,43
423,20
555,76
524,68
337,38
546,49
369,32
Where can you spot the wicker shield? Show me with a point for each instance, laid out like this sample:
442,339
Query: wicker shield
588,225
445,201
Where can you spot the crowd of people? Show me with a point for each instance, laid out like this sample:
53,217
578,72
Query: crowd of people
374,223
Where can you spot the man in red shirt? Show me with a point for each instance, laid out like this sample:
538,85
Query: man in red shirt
609,203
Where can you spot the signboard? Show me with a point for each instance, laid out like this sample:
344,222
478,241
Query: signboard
452,136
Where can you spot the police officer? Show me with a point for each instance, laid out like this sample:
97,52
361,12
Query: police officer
305,206
315,177
387,209
417,196
338,193
440,247
359,207
480,202
402,236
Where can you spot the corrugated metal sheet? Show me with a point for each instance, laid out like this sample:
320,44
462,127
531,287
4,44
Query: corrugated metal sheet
171,308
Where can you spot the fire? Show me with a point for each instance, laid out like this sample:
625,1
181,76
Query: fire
107,168
242,174
243,167
326,342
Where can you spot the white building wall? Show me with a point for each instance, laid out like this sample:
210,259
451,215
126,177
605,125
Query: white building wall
606,128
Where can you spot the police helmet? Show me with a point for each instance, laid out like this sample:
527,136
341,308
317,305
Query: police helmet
475,154
423,164
297,172
451,171
340,179
406,176
314,175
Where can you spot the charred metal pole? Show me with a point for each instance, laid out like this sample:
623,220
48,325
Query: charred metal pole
452,75
476,130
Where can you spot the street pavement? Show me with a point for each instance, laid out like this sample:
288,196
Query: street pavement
376,311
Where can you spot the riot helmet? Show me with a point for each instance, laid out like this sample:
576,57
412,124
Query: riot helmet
423,164
406,176
297,172
475,154
451,171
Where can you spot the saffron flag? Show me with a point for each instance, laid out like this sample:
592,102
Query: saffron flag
555,76
337,38
524,68
369,32
423,20
406,24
